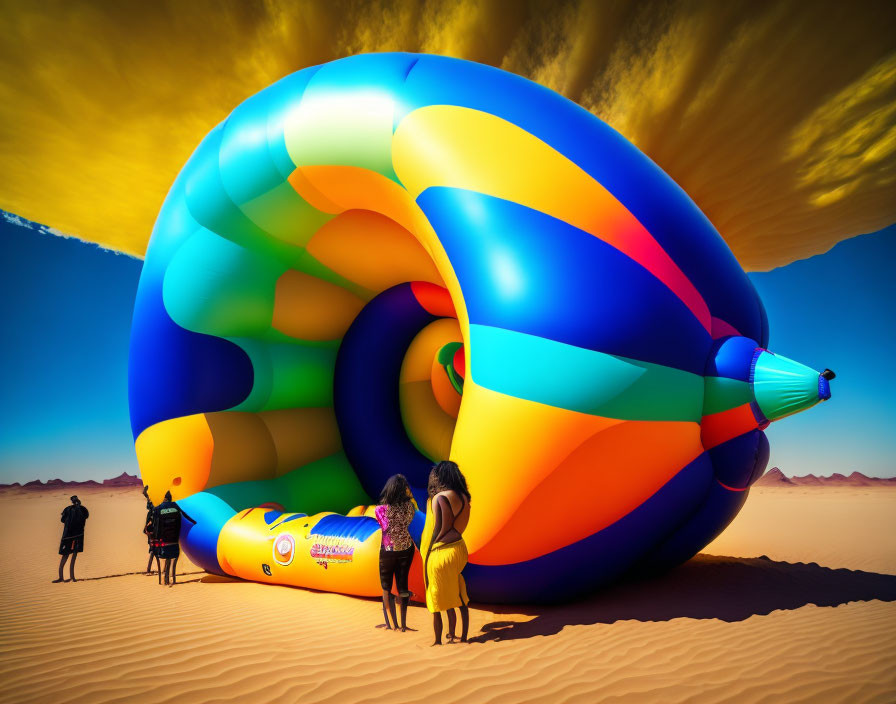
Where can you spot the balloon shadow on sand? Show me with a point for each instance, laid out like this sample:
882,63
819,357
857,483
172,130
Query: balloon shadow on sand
706,587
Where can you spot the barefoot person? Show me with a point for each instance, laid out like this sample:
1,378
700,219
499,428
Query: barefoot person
74,518
394,514
166,519
443,549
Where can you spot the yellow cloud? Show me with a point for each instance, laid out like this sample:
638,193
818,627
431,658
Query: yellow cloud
779,119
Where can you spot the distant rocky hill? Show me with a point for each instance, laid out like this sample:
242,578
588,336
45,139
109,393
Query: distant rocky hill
122,480
775,477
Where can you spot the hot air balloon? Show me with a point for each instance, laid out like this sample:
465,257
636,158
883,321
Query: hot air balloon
394,259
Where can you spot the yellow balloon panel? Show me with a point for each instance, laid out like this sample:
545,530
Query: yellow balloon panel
175,453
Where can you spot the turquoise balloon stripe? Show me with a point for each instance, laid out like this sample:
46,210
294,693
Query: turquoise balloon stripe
213,208
577,379
253,157
216,287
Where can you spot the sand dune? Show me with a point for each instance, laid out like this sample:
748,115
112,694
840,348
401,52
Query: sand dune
801,624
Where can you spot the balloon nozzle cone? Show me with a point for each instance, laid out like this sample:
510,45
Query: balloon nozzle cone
783,387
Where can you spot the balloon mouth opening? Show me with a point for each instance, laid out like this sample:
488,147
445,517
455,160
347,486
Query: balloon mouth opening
398,384
400,368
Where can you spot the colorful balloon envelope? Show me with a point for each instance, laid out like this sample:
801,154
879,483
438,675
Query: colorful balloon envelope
394,259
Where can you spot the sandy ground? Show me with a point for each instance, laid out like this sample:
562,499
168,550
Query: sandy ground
802,624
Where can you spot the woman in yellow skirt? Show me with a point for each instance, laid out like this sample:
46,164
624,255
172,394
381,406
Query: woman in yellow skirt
443,549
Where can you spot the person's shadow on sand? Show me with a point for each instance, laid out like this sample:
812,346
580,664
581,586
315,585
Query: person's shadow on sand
130,574
706,587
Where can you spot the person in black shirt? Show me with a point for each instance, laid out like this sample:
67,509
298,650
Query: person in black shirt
73,519
147,530
166,520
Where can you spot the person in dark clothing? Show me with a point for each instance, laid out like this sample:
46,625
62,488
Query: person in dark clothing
147,530
74,518
394,514
166,521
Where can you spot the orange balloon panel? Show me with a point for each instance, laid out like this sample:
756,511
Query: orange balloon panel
607,476
507,448
308,308
443,391
345,244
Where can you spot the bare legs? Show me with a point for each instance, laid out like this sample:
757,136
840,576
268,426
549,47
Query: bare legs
389,603
389,608
71,568
149,564
386,596
403,601
61,565
452,622
170,571
437,627
464,623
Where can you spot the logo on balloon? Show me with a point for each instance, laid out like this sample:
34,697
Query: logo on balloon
284,549
333,551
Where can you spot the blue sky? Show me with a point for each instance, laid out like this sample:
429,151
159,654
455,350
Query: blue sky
66,314
838,310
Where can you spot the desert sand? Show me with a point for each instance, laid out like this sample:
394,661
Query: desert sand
794,602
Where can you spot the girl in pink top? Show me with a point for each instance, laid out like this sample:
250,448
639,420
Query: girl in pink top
394,514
